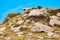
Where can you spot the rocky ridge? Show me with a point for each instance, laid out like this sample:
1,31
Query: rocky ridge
35,24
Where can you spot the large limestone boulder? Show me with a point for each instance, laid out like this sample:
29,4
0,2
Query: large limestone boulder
41,27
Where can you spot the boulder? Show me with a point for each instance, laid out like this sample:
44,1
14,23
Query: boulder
41,27
38,12
58,14
20,22
54,20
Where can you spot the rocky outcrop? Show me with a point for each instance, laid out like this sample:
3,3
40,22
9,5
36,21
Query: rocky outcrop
35,24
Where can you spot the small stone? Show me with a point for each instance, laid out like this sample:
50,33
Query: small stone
2,34
7,38
20,22
2,28
15,29
58,14
27,21
23,26
29,38
40,38
50,34
29,34
57,32
19,33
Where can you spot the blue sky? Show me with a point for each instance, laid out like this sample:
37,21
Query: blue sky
9,6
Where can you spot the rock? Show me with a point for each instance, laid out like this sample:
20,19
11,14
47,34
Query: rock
22,28
36,29
7,38
40,38
15,29
50,34
41,27
55,34
33,12
54,20
29,34
51,22
48,28
19,33
58,14
20,22
30,38
27,21
39,12
10,24
2,28
2,34
53,17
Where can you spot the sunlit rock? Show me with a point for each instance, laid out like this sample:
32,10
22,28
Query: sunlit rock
40,38
7,38
15,29
58,14
54,20
2,34
27,21
41,27
50,34
39,12
20,22
2,28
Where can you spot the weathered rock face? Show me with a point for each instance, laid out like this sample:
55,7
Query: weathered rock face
54,20
41,27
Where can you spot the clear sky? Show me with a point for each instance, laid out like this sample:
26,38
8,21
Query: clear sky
9,6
